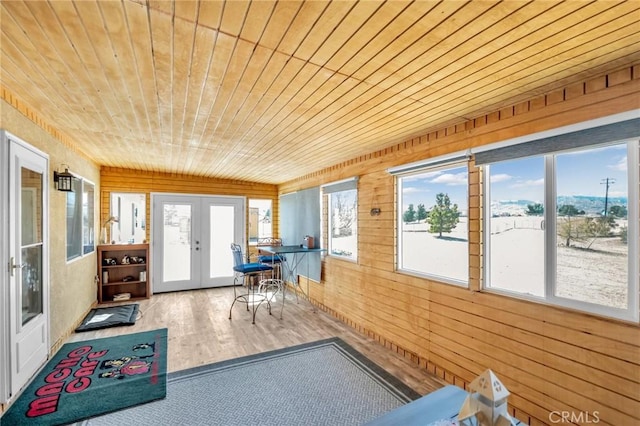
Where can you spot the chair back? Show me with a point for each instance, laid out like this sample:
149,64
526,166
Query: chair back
274,242
237,254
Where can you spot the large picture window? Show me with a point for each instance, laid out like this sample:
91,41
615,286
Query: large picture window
563,227
80,219
432,222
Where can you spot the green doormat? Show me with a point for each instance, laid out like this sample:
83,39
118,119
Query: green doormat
93,377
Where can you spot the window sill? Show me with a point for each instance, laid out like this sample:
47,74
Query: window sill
343,258
584,308
436,278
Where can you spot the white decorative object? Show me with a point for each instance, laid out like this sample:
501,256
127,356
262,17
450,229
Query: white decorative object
103,232
487,402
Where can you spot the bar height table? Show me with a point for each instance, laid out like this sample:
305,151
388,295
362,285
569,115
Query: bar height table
291,258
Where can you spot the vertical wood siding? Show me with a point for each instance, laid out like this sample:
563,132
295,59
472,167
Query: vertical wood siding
550,358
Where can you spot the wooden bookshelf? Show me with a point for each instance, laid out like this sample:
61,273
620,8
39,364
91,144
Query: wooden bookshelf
129,273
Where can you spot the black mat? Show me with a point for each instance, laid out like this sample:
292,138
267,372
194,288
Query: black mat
113,316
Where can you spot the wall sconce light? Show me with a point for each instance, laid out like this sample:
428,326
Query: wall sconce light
63,180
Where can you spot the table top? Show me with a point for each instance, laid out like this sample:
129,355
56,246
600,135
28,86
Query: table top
289,249
439,406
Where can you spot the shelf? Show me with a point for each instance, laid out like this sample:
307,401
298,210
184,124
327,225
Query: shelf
114,274
123,266
132,298
122,283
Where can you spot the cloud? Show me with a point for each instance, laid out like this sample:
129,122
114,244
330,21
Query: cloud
413,190
451,179
620,166
500,177
528,183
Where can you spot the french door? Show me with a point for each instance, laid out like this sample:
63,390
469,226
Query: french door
191,239
25,297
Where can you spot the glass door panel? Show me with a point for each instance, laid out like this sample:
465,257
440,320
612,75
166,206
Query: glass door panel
176,259
31,244
221,236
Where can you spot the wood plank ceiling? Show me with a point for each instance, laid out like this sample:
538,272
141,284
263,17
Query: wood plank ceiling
267,91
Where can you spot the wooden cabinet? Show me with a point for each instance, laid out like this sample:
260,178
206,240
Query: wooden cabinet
123,269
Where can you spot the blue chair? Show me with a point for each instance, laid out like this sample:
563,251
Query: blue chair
275,261
247,273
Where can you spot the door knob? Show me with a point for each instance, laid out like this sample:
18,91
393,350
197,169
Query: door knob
13,266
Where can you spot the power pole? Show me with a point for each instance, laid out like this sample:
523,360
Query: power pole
608,182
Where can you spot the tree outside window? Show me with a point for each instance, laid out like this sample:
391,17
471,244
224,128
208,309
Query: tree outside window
433,238
343,221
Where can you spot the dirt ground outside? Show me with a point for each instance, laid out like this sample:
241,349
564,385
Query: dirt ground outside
597,274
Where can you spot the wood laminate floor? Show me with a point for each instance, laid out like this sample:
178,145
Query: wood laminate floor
200,332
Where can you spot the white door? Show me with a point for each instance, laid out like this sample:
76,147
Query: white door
28,263
191,239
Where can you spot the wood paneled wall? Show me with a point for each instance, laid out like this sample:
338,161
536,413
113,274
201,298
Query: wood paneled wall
124,180
552,359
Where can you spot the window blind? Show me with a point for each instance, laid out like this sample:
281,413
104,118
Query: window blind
300,216
431,162
581,138
342,185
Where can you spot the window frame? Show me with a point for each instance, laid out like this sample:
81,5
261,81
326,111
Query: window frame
631,313
80,227
449,162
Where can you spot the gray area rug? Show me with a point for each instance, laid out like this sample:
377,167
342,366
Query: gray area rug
320,383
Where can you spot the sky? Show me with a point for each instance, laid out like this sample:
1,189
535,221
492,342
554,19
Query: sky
423,188
581,173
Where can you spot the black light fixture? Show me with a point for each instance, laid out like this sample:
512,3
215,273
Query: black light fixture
63,180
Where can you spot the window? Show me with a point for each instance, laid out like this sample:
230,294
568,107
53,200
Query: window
516,226
342,218
562,227
80,219
343,224
259,220
432,222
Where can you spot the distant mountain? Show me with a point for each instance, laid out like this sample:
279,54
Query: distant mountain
590,205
